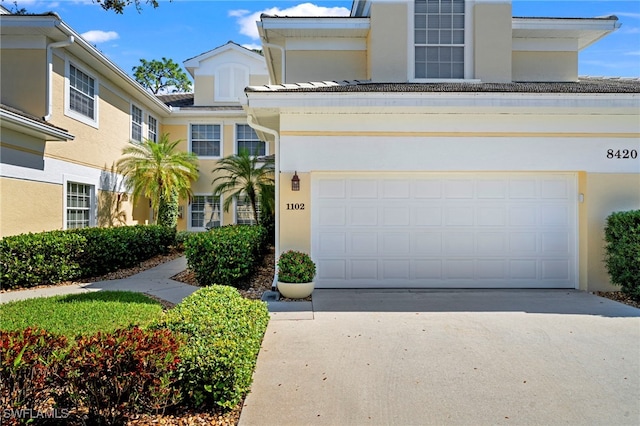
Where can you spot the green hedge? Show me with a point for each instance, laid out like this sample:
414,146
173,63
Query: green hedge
224,333
28,260
622,251
225,255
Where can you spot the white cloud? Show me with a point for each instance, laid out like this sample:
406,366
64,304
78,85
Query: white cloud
247,20
97,36
252,46
633,53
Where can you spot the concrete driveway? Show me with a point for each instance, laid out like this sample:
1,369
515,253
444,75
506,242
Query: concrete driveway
521,357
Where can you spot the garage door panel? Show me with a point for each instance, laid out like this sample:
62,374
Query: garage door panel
396,244
428,189
364,189
395,216
427,243
396,189
426,216
458,189
332,242
363,216
364,269
495,230
364,243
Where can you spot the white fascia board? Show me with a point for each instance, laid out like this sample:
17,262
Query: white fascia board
340,23
396,101
22,124
564,24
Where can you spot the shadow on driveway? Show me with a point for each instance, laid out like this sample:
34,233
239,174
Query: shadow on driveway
569,302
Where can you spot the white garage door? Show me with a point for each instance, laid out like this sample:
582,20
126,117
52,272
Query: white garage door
453,230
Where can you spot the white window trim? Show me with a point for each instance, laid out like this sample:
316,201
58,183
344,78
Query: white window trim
149,117
469,76
142,124
203,229
95,122
235,140
208,157
83,180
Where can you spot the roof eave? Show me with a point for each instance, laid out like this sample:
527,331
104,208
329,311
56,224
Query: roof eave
31,127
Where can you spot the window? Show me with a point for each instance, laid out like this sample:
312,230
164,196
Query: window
248,140
136,123
439,38
82,93
153,129
79,197
205,140
244,213
205,212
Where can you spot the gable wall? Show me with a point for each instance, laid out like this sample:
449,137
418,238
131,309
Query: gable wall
388,42
23,82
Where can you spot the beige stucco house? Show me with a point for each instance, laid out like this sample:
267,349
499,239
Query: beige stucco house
438,143
67,111
447,144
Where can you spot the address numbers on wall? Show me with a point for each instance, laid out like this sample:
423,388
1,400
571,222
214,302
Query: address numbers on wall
622,154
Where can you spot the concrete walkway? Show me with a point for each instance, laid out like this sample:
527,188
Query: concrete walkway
154,281
489,357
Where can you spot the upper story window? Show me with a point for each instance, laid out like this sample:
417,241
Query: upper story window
136,123
153,129
247,140
82,95
439,39
205,140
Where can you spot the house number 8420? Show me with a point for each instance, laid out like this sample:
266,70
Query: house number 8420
622,153
295,206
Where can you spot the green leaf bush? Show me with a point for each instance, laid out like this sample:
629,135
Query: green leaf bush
622,251
296,267
29,260
225,255
224,333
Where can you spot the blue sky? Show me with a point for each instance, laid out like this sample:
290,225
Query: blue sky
182,29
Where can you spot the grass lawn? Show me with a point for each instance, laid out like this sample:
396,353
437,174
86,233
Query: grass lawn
84,314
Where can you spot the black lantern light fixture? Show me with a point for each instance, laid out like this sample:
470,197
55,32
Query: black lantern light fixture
295,182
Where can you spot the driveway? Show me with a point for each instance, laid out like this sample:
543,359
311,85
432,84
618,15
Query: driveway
469,357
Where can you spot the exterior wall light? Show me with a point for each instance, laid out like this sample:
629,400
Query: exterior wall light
295,182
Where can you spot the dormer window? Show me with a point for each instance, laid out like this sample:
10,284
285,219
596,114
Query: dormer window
439,39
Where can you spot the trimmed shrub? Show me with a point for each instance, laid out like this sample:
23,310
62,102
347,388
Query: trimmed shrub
296,267
109,249
28,260
622,251
225,255
29,359
32,259
121,373
225,332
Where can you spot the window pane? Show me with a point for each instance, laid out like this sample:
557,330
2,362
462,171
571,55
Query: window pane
205,140
248,140
81,92
78,205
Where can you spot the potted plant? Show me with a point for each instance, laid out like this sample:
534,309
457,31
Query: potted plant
296,271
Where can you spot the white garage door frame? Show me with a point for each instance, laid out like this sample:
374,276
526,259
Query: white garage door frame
445,229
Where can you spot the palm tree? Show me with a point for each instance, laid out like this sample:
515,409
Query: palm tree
241,177
158,171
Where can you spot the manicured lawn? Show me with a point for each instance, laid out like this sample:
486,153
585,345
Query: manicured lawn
84,314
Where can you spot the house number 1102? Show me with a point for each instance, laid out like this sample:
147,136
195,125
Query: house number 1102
295,206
